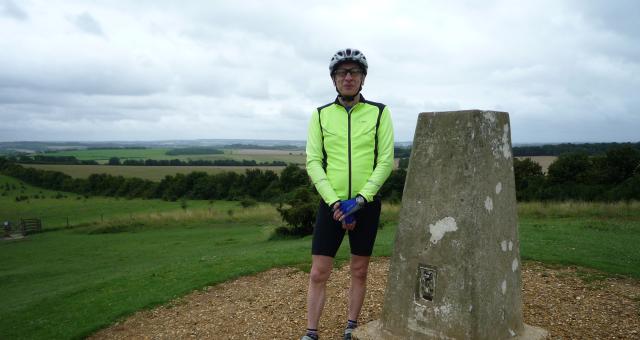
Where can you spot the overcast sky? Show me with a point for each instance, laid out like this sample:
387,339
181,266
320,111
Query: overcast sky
566,71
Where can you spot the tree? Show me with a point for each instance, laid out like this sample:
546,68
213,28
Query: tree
292,177
114,161
529,179
621,163
403,163
394,186
569,168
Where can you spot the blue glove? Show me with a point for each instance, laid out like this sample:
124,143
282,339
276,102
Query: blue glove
350,219
349,207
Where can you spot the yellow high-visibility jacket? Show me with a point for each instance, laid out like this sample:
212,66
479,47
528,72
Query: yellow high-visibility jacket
349,153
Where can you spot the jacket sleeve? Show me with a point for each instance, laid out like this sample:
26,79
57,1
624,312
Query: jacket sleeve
385,161
314,161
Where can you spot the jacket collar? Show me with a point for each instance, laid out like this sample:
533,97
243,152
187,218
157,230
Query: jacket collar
337,101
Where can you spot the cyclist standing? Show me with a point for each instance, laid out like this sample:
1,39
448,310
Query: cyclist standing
349,156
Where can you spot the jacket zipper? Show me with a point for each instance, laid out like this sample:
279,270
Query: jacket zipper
349,148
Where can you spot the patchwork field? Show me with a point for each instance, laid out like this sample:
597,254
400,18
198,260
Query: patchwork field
259,155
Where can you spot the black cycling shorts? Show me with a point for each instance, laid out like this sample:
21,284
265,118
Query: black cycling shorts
328,233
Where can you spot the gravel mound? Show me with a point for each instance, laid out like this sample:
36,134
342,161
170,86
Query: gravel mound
271,305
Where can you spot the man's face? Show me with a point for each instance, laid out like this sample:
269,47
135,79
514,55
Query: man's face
348,77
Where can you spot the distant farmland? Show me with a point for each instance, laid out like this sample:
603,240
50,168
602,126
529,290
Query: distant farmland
153,173
103,155
544,161
156,173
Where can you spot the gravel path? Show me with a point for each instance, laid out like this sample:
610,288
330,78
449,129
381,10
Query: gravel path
271,305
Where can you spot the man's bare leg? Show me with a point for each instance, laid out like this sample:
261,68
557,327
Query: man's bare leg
359,269
321,267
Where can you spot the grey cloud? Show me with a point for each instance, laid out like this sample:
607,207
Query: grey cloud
620,16
81,76
11,10
215,69
86,23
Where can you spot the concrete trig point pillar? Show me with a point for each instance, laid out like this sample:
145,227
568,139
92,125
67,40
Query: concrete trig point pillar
455,270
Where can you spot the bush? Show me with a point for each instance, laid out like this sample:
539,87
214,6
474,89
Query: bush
299,211
281,233
628,190
248,202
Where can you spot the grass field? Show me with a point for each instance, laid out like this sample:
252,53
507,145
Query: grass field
103,155
153,173
75,209
600,236
68,283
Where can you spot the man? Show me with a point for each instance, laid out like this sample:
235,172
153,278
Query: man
349,156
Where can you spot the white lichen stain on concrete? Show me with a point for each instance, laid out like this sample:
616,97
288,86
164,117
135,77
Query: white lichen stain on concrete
418,317
511,332
498,188
412,324
510,246
506,150
504,287
500,145
402,258
514,265
503,245
441,227
490,116
443,312
470,308
488,203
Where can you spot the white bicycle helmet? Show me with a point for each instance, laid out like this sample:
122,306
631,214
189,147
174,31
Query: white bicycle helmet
348,54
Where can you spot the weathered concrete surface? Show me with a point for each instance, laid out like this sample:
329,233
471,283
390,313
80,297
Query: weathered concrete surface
455,270
373,331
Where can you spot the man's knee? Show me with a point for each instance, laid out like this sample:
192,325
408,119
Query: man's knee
359,270
320,273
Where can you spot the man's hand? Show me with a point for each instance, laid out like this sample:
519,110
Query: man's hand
349,226
349,207
344,211
348,222
337,214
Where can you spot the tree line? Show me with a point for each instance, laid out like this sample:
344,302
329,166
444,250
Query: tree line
46,159
591,149
258,184
192,162
72,160
613,176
